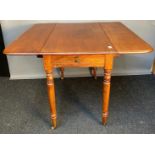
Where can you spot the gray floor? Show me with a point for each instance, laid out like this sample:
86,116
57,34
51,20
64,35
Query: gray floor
24,106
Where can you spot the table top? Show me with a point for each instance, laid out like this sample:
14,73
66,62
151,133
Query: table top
78,38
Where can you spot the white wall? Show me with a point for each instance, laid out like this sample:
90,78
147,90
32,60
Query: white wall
22,67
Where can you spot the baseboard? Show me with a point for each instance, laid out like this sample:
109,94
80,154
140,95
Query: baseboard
81,74
35,76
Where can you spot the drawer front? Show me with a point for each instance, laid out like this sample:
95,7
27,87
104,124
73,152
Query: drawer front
78,61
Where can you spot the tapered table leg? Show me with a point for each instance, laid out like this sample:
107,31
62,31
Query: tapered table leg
51,90
62,73
106,87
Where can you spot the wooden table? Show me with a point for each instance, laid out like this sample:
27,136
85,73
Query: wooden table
78,45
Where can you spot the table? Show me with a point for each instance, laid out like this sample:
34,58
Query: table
78,45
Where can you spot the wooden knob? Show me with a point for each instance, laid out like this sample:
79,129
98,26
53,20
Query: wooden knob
77,60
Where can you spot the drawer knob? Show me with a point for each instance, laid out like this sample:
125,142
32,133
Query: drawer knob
77,60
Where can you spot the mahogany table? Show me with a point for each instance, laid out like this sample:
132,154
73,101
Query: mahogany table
78,45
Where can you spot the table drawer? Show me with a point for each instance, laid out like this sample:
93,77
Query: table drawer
78,61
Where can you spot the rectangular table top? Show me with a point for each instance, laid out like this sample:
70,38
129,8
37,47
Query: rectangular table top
78,38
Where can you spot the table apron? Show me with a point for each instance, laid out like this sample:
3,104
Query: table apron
78,61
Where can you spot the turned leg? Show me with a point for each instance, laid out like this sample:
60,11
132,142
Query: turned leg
153,67
106,88
62,73
93,71
51,94
51,90
106,94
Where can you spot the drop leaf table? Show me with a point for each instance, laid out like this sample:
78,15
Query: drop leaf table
78,45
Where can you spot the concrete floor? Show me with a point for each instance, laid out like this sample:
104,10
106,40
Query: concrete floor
24,106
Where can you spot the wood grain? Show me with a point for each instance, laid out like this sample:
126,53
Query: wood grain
106,87
71,39
81,38
51,90
30,42
77,61
124,40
